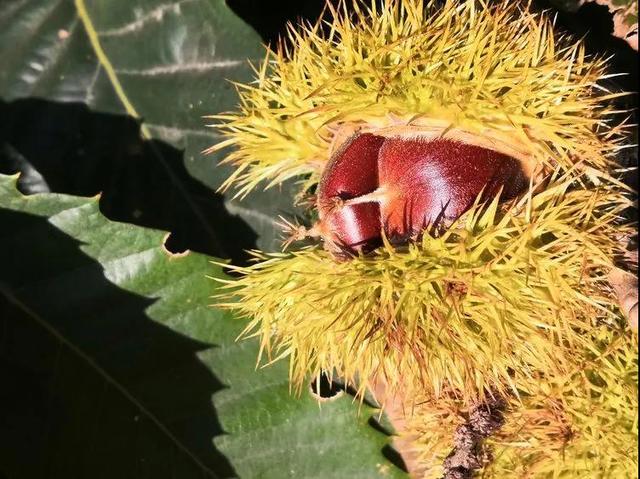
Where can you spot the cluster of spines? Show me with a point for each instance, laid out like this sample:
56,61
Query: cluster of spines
583,423
514,301
501,292
475,66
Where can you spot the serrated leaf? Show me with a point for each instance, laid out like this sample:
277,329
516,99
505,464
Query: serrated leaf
111,354
168,63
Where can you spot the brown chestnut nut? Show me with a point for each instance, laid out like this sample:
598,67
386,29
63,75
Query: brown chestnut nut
405,186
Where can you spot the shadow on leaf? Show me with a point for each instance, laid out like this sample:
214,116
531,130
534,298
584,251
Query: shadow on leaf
93,387
66,148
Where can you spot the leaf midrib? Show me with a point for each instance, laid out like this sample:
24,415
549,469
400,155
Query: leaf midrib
103,59
109,69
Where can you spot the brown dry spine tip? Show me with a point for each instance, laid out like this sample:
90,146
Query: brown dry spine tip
404,186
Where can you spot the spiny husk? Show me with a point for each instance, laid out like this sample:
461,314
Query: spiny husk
476,67
583,423
497,297
512,299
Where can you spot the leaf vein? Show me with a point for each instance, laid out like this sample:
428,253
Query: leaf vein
157,14
174,133
180,68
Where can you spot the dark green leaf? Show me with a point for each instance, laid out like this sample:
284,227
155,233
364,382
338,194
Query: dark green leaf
110,355
168,63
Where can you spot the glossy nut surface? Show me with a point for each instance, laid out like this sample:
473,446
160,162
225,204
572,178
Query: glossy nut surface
405,186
